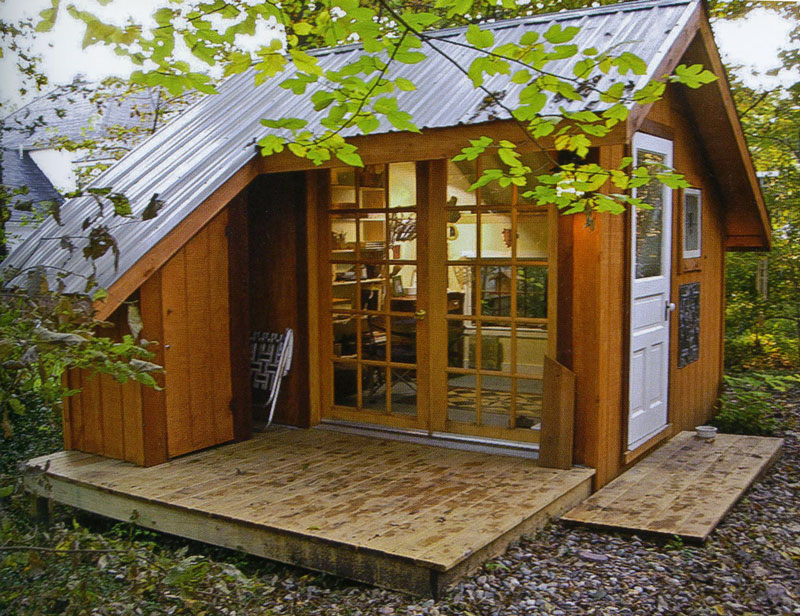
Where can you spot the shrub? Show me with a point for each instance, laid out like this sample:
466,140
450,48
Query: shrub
746,404
758,351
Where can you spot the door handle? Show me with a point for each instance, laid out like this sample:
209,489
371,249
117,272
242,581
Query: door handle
420,314
668,307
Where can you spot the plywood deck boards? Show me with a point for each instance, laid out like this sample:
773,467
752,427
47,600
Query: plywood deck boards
384,511
685,488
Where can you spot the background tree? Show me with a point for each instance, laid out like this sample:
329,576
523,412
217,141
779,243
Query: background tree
763,304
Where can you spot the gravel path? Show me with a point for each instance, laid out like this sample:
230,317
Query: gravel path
750,565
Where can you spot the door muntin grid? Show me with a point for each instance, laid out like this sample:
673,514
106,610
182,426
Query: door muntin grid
498,257
373,259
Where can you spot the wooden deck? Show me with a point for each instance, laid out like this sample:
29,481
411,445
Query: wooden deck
394,514
685,488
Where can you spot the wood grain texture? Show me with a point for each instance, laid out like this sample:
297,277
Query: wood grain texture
389,513
314,190
177,349
104,417
154,402
598,327
694,388
196,334
685,488
239,317
558,416
155,258
278,276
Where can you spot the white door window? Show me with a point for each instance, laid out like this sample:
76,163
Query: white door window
651,241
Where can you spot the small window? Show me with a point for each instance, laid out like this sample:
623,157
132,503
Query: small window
692,223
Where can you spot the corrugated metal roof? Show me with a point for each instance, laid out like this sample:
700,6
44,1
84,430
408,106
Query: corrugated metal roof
187,160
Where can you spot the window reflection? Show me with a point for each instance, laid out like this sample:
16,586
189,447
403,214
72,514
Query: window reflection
649,221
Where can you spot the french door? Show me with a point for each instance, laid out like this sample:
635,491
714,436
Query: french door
437,301
651,242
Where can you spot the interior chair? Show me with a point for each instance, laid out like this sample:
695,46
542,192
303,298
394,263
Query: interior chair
402,336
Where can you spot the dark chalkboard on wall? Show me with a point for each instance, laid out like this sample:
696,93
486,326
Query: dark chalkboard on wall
688,323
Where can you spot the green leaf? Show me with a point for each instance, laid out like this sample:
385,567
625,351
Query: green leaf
479,38
298,150
521,76
410,57
614,93
421,20
627,62
271,144
349,157
692,76
238,62
561,52
583,68
289,123
271,64
306,63
529,38
650,93
454,7
509,157
48,18
321,99
368,124
616,113
556,34
405,84
401,120
673,180
542,128
302,28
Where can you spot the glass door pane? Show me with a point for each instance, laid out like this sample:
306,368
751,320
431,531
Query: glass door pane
373,260
498,253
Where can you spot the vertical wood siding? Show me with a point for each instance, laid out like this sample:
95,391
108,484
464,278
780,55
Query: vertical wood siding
695,387
278,281
106,417
196,337
185,307
599,330
597,338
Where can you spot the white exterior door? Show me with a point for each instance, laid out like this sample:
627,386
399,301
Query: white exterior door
651,242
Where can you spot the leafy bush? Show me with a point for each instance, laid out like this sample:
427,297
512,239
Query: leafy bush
759,351
746,404
36,432
44,333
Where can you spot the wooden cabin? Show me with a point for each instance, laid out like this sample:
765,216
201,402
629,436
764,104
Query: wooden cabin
422,310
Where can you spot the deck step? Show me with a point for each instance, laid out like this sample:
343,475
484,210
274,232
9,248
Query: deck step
685,488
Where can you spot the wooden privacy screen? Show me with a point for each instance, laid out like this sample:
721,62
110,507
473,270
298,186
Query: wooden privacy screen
558,416
185,307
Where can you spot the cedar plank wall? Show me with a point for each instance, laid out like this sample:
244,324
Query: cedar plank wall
184,307
694,388
279,281
196,339
600,307
106,417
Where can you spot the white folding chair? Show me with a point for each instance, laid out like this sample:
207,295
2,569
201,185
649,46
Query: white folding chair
270,361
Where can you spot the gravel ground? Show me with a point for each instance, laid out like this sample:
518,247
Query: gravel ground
750,565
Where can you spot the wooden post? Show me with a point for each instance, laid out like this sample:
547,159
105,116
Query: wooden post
41,508
558,419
